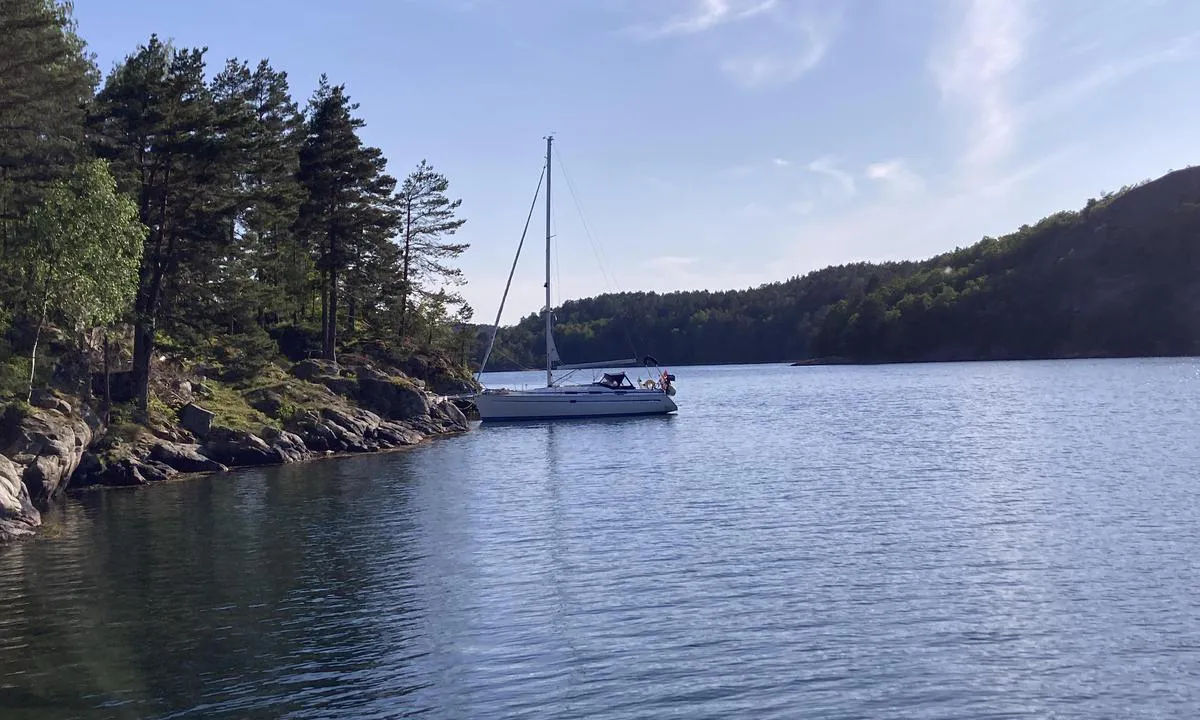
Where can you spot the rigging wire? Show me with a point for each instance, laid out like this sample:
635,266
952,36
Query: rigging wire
609,278
507,285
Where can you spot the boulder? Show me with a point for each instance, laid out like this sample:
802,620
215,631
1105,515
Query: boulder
184,458
439,375
238,447
356,420
266,401
47,400
448,414
46,447
338,384
196,419
369,372
291,447
392,399
311,368
130,471
18,516
393,434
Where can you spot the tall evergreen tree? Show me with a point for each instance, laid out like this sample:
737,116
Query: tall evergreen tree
263,267
155,119
46,80
349,203
429,220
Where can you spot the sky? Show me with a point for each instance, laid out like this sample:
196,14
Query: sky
723,144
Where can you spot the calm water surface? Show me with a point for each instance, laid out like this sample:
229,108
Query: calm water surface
1009,540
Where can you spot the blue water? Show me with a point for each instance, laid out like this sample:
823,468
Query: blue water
995,540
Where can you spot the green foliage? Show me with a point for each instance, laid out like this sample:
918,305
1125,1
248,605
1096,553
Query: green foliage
46,81
348,214
232,410
85,244
429,220
1115,279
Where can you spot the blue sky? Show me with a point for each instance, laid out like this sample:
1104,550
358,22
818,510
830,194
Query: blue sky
727,143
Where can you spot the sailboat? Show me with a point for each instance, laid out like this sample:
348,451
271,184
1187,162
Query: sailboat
613,395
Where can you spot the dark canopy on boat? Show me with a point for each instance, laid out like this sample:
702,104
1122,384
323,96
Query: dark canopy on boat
615,380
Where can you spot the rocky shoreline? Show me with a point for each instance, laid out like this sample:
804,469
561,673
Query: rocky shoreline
319,409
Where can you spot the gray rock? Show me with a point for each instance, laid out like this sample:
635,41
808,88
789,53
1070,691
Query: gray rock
18,516
46,446
448,414
338,384
268,402
196,419
238,448
392,399
357,421
134,471
316,435
291,447
309,369
370,373
393,434
47,400
184,458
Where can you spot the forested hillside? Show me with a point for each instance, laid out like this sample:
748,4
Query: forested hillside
1121,277
191,207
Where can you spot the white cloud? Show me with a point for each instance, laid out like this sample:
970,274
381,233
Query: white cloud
975,69
827,166
705,15
758,42
780,162
895,174
1107,73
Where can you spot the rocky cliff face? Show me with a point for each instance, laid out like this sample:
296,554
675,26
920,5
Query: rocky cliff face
41,446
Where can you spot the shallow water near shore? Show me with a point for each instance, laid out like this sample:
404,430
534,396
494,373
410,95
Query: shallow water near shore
988,540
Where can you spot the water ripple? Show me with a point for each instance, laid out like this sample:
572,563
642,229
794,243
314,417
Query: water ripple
1009,540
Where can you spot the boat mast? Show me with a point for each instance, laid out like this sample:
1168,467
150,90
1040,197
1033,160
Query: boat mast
549,340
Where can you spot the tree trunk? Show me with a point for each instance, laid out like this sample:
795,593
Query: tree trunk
107,380
324,312
404,287
143,349
37,335
331,340
351,306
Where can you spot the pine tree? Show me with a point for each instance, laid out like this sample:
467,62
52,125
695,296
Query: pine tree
263,267
46,80
349,204
156,121
428,220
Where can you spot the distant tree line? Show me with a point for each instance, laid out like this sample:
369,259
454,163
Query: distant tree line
1118,278
205,206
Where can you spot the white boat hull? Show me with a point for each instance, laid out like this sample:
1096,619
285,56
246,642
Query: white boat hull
570,403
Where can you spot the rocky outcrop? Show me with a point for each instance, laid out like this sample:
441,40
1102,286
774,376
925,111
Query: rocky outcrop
40,448
393,399
196,419
18,516
309,369
184,458
239,447
352,408
47,444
